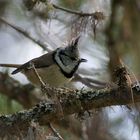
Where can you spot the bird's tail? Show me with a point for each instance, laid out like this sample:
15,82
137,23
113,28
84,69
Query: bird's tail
10,65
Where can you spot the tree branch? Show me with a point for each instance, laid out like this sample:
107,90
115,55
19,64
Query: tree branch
72,101
26,34
96,15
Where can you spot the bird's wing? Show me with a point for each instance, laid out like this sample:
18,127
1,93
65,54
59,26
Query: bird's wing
43,61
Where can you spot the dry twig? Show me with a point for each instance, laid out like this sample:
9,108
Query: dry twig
55,132
96,15
26,34
49,89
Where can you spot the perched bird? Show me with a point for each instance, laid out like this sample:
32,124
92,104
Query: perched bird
55,68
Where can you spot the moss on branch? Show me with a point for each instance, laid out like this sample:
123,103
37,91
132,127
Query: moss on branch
72,101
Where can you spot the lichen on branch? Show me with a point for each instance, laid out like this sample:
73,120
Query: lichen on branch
72,101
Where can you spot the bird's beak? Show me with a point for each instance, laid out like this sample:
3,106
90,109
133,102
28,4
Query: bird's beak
83,60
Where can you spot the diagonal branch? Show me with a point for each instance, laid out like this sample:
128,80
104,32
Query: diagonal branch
26,34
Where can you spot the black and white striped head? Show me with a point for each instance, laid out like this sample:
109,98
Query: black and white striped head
68,58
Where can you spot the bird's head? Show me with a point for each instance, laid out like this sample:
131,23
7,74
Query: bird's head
68,58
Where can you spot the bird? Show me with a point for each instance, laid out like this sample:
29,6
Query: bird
56,68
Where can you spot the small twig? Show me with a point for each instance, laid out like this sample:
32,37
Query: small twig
130,81
96,15
50,91
38,76
55,131
26,34
58,103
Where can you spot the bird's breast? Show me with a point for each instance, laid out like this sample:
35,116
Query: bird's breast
51,75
